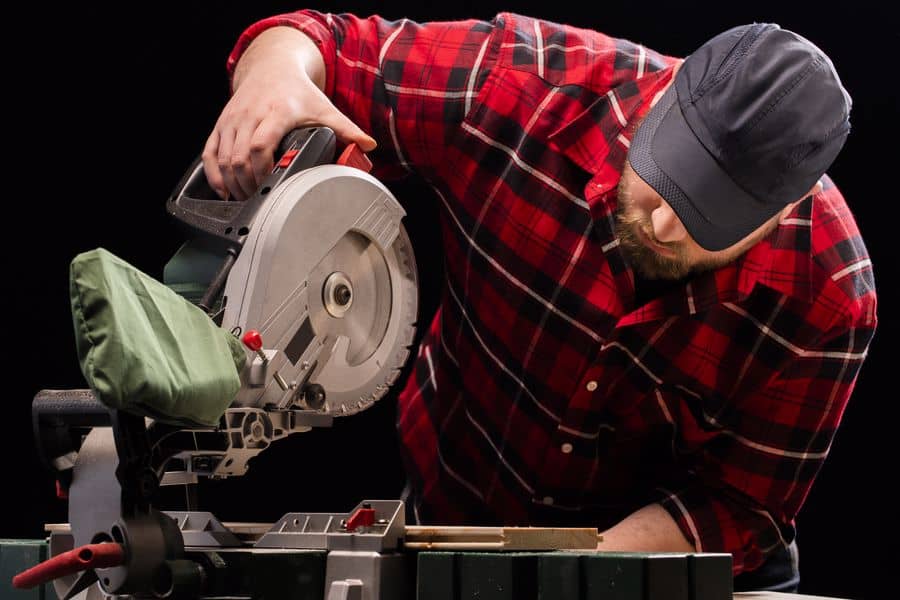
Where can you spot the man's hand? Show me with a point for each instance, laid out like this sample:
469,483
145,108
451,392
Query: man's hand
278,87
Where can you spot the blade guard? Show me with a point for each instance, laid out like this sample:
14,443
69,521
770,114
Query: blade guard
271,289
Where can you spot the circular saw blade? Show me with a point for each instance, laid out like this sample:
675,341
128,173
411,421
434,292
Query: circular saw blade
350,297
362,304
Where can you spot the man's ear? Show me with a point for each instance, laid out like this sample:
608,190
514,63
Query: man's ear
816,189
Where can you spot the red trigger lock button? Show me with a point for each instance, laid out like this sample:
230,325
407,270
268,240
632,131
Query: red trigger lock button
286,159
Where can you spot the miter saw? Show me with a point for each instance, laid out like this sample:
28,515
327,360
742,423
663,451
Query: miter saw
317,276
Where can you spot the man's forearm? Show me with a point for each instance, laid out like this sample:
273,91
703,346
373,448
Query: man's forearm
650,529
284,47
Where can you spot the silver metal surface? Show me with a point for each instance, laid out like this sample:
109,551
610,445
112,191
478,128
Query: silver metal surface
337,295
95,513
326,531
359,328
328,278
95,493
249,432
202,529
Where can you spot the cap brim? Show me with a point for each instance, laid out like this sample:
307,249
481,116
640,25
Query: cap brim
667,155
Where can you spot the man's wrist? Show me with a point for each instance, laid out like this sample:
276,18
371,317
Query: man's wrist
650,529
286,47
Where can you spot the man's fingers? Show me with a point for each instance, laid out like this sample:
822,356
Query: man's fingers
239,153
225,161
241,164
262,147
210,158
347,131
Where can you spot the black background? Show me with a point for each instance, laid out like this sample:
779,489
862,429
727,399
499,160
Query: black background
110,107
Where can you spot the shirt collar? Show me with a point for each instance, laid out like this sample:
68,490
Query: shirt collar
781,261
597,138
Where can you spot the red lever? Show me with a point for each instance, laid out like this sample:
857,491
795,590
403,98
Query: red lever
352,156
91,556
363,517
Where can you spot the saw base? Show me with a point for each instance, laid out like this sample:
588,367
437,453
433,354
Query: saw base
370,554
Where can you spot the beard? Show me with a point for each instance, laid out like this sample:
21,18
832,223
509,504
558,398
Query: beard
642,258
634,230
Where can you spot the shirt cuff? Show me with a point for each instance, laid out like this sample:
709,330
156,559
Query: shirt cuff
716,522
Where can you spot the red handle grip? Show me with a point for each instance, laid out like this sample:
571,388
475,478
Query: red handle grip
90,556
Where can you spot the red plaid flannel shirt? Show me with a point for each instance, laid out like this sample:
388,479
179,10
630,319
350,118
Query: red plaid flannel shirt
541,393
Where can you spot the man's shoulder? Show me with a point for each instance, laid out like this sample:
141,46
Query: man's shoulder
568,54
843,268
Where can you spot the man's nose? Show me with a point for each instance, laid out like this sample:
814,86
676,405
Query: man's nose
667,227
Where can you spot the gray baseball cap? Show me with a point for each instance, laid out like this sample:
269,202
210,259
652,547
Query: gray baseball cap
754,118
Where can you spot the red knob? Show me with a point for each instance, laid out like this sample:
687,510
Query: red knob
252,340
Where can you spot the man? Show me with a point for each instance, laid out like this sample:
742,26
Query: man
656,301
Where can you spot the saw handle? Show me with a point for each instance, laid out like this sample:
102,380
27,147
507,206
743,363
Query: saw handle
197,206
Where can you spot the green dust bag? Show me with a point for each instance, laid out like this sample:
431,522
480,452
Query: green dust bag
145,349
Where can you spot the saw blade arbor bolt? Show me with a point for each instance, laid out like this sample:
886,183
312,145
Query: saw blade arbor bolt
342,294
337,294
253,340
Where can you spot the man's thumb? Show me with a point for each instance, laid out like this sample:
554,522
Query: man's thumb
347,132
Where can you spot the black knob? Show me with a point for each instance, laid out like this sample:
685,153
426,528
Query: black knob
314,396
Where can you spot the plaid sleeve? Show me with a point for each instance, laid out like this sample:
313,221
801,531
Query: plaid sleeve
755,474
407,84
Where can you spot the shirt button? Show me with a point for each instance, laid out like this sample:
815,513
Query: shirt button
591,385
566,448
548,500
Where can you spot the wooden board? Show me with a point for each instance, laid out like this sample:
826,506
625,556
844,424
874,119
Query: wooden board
420,537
